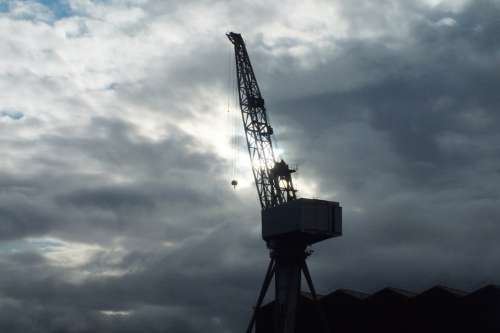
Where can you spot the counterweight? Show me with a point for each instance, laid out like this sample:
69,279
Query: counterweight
272,178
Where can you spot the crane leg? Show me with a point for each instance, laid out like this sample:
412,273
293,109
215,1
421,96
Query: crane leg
324,322
265,286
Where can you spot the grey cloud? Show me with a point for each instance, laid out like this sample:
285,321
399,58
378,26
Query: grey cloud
438,89
414,150
196,280
22,217
68,319
402,132
163,180
108,199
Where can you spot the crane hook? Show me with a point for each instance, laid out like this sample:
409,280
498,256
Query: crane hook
234,182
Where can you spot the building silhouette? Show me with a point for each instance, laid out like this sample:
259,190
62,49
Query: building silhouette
438,309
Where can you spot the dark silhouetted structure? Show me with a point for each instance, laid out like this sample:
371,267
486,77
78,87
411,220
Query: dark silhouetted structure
289,224
436,310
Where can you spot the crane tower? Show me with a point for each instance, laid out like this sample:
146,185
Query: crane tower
289,224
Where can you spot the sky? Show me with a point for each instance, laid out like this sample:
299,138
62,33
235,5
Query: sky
117,124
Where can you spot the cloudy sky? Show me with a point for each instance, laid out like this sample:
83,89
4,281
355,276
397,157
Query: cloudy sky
116,126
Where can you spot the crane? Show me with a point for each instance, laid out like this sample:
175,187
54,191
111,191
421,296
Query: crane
289,224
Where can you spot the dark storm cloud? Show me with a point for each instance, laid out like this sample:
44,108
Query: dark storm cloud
20,215
161,201
191,284
415,151
189,280
440,86
163,180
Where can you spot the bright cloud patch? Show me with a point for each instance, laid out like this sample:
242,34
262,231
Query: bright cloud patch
66,254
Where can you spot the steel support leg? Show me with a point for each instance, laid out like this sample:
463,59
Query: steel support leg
324,322
265,285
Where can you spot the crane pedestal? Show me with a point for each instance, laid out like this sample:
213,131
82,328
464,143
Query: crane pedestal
288,263
288,229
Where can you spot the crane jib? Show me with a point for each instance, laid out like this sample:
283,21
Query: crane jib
272,178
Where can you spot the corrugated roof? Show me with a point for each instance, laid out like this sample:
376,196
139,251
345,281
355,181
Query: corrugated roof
440,292
344,297
489,294
438,309
352,293
392,292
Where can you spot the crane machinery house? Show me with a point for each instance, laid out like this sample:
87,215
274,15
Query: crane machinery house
310,220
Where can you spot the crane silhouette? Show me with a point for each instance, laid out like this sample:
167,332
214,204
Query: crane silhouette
289,224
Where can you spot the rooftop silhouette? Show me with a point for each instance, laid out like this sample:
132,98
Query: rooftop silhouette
438,309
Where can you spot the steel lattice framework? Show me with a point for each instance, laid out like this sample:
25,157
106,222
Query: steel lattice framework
273,179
